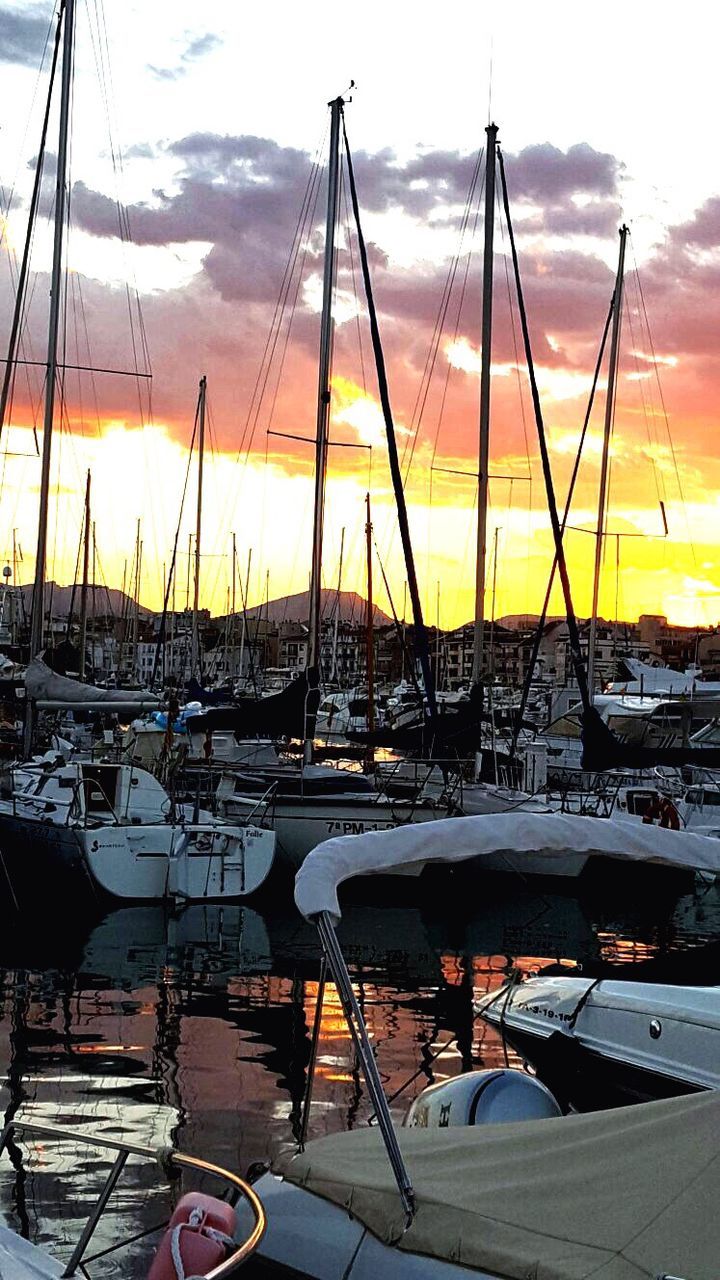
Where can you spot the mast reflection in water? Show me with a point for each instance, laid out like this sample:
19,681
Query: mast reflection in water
194,1030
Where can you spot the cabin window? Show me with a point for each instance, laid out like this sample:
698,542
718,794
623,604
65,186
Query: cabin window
638,802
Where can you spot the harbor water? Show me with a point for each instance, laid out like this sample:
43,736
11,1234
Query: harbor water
193,1029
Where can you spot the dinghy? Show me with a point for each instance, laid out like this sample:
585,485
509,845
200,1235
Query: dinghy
612,1040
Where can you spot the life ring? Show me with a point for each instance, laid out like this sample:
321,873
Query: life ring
199,1236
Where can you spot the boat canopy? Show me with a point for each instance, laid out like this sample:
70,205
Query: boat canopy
616,1195
407,849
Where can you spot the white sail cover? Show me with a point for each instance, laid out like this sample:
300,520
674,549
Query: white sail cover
44,685
409,848
629,1194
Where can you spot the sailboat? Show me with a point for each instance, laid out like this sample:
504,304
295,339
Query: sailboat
102,828
329,802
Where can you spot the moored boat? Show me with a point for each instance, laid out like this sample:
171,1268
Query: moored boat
612,1040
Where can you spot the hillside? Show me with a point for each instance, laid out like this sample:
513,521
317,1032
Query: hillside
101,601
297,608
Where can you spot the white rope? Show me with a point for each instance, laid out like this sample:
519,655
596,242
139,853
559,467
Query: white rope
195,1223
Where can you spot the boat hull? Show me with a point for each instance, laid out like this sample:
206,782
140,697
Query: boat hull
42,861
45,862
618,1042
151,863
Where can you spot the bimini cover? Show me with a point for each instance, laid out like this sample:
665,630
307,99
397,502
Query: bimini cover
409,848
44,685
616,1195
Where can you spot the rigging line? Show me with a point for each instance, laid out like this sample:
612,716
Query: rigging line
574,634
653,444
82,368
358,305
421,640
171,574
439,328
513,329
299,235
398,625
676,466
104,583
449,370
517,724
32,216
71,609
441,313
418,411
299,274
36,86
93,383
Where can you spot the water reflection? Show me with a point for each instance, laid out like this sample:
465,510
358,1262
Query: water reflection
194,1029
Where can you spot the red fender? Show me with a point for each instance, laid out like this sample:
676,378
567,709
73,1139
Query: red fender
198,1250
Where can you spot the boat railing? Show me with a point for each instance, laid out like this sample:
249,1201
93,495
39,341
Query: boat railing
262,806
169,1160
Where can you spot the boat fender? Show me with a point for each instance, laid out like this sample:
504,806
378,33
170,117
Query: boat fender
482,1097
199,1236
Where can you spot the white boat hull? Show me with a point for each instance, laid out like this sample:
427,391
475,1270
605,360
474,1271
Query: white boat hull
195,863
301,825
670,1034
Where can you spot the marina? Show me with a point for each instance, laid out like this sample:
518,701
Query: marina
359,662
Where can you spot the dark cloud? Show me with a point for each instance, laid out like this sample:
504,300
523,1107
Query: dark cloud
241,195
23,35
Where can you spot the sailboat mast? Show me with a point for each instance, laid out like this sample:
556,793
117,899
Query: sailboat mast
196,665
84,589
369,636
136,610
609,415
486,357
337,606
244,609
323,403
36,625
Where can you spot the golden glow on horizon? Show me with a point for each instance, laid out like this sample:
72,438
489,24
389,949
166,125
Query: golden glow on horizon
141,473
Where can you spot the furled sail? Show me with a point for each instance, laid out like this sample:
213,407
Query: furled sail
44,686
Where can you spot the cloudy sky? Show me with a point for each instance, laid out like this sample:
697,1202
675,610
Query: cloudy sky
204,122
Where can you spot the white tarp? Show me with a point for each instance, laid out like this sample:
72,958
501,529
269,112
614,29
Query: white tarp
409,848
44,685
629,1194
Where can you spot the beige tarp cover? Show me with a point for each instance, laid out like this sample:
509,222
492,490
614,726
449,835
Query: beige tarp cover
617,1195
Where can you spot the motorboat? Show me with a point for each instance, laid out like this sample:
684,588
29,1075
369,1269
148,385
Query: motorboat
616,1039
486,1177
83,829
198,1238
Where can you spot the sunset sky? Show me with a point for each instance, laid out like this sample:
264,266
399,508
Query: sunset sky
204,122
